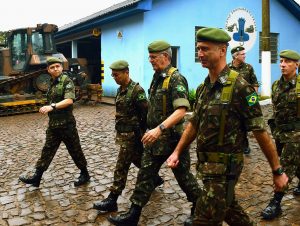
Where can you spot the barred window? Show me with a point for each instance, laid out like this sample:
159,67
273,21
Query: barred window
273,47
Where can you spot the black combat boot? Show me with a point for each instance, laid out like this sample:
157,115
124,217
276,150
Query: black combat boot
130,218
296,190
273,209
189,220
109,204
83,178
247,150
35,179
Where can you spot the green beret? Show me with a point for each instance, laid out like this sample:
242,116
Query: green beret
158,46
119,65
53,60
237,49
290,54
212,35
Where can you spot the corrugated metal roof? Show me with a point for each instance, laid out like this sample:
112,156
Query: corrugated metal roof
99,14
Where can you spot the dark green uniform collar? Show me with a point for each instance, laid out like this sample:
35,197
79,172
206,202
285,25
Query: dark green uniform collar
57,79
292,81
126,88
164,72
222,79
231,65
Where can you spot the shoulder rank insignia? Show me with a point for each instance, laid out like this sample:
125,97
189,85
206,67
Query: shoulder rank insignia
252,99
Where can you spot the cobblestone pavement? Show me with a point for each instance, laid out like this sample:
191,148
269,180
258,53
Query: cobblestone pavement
58,202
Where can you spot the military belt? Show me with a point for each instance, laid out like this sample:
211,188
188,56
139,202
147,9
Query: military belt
219,157
60,115
289,126
126,128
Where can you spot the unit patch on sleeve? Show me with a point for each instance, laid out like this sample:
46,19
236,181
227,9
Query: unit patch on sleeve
252,99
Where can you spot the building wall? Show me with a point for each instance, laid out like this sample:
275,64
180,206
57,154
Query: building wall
288,27
130,48
175,21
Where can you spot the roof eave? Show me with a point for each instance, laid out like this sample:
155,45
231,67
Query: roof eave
292,6
118,14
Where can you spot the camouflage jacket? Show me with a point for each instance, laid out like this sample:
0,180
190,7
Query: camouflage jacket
177,96
247,71
59,90
131,108
244,114
284,100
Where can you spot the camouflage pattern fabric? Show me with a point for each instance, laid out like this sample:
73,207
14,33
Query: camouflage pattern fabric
131,108
62,127
131,114
247,71
54,136
148,172
244,114
177,96
61,117
285,114
212,208
284,101
156,154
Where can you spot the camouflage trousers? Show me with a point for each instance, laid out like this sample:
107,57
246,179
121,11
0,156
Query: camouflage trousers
130,152
148,172
69,136
290,160
212,207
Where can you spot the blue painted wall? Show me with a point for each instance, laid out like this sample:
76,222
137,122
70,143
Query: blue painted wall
175,21
130,48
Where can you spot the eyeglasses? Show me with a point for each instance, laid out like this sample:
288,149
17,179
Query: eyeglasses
114,75
154,57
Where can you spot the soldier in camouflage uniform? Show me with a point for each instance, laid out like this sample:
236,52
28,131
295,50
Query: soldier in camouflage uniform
131,116
62,125
165,124
286,105
246,70
220,129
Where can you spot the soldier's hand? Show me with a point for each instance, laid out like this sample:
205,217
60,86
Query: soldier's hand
151,136
45,109
280,182
173,160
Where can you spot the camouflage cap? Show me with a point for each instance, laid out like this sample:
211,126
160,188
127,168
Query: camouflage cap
290,54
158,46
237,49
119,65
213,35
53,60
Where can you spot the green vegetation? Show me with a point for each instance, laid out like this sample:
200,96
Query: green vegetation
2,37
192,98
263,97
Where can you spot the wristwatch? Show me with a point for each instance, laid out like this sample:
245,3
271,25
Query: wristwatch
162,127
53,105
278,172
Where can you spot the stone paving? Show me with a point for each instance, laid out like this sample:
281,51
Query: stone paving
57,202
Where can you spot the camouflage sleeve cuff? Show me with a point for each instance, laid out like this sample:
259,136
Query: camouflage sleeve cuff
256,124
69,95
181,102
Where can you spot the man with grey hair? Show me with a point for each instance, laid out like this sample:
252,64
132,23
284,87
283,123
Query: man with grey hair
168,102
